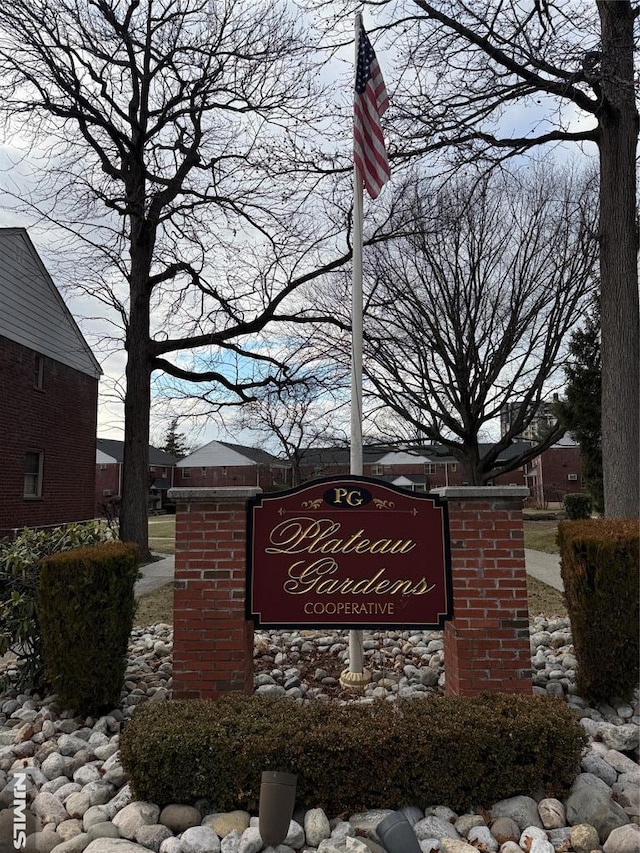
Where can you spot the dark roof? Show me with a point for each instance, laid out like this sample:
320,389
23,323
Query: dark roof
115,448
255,453
321,456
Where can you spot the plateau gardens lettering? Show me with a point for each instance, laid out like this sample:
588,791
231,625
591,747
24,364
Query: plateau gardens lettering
349,553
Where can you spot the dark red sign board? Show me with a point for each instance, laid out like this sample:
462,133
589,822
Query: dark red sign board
348,552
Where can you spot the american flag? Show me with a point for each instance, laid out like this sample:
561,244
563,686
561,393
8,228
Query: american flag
369,104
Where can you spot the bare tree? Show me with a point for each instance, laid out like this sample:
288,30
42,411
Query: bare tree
166,130
472,308
483,81
295,417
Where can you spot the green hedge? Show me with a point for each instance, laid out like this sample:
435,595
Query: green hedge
459,751
86,605
19,575
599,568
577,506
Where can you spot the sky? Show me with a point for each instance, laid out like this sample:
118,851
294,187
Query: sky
16,166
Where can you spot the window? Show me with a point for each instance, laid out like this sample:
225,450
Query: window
186,473
572,477
38,371
106,493
453,466
377,470
203,472
102,467
429,468
33,474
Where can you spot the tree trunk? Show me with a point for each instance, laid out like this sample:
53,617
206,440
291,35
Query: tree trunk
135,481
618,135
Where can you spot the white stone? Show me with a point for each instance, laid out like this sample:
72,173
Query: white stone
552,813
49,809
135,815
77,804
199,839
316,827
624,839
530,834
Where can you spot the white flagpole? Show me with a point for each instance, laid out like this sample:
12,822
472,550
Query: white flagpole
355,675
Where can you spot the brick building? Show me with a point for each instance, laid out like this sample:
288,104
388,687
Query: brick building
555,473
108,460
417,469
49,380
219,463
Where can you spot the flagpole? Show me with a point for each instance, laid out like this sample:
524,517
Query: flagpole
356,675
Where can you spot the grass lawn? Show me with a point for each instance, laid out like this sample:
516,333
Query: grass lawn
541,536
162,534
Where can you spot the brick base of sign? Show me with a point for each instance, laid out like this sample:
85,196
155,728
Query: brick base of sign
212,638
486,645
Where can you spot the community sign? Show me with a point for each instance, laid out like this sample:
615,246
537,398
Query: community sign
350,552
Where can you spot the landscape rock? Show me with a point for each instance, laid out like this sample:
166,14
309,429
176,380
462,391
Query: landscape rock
435,827
222,823
584,838
624,839
106,829
151,836
456,845
522,810
113,845
552,813
592,806
178,817
366,822
482,839
135,815
49,809
467,821
69,829
74,845
505,829
41,842
622,738
316,827
199,839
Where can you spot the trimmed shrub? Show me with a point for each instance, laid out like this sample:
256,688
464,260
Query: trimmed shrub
86,605
599,568
460,751
577,506
19,573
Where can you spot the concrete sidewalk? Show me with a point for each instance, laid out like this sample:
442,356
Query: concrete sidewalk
544,567
155,575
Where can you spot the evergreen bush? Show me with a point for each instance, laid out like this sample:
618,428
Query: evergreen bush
577,506
86,604
19,573
599,567
463,752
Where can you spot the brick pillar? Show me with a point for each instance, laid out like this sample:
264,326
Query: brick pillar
212,638
486,645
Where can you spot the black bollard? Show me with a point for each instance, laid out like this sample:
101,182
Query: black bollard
397,835
277,799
